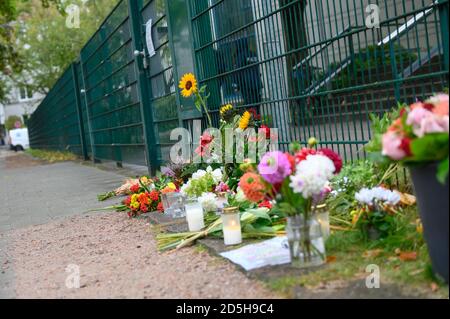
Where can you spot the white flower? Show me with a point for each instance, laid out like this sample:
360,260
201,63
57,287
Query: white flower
199,174
217,175
317,163
208,201
370,196
312,175
184,187
308,184
240,196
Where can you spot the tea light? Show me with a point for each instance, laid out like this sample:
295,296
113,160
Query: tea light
232,232
194,216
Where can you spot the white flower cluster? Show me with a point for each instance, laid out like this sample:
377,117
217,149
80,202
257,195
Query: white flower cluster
312,176
216,174
209,202
377,194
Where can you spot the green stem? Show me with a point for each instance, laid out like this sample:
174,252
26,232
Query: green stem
203,103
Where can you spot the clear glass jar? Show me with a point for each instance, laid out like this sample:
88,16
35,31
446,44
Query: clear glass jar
306,243
174,204
194,215
231,220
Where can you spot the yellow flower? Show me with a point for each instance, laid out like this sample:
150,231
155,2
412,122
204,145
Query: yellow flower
245,120
188,85
419,226
172,186
225,109
136,205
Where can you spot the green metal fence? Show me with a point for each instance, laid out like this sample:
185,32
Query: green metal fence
55,124
314,68
310,67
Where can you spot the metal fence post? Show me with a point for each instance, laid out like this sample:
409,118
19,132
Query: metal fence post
143,87
79,112
83,91
443,14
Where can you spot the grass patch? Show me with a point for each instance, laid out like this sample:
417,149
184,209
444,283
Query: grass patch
52,156
350,254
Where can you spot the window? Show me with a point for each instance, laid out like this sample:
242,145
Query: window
25,93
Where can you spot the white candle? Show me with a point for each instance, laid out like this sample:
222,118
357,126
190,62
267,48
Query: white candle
194,216
232,233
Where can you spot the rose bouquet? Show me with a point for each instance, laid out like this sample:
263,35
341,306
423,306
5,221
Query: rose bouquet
416,135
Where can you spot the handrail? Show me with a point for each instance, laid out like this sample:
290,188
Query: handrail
408,25
392,36
322,47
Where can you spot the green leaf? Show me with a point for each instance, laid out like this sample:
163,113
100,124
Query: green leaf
430,148
442,173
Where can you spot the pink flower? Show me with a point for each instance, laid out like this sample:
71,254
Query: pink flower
433,124
392,143
440,102
274,167
417,115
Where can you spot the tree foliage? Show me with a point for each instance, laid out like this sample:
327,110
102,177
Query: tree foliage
36,45
11,121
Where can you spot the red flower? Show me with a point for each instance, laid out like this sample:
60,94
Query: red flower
428,106
144,208
160,207
332,155
266,130
304,153
135,188
291,160
405,146
255,114
154,196
127,201
205,141
265,204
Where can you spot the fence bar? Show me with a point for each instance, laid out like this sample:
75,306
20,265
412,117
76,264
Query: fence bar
144,89
76,87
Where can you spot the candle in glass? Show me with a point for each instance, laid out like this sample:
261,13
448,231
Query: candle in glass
194,216
232,232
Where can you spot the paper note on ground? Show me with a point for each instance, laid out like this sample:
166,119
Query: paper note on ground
267,253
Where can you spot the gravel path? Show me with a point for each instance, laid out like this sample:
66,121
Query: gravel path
117,258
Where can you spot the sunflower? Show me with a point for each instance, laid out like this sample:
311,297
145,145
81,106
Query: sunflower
245,120
188,85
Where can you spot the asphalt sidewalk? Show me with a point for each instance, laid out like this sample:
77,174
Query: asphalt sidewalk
33,192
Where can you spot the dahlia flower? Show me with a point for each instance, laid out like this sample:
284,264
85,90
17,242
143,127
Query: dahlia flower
274,167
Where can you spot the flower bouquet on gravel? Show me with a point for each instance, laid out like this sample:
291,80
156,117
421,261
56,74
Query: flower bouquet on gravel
417,137
130,186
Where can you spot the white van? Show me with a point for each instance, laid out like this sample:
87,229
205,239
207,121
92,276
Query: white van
19,140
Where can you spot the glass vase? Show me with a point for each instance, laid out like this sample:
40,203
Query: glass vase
306,242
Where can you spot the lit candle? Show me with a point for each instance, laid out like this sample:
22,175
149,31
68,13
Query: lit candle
232,232
194,216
